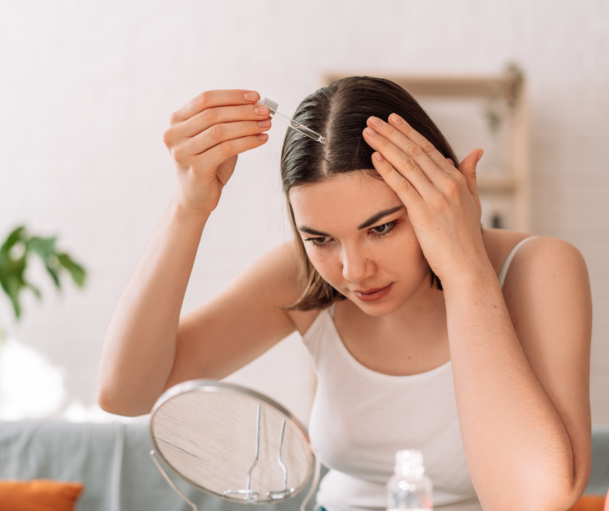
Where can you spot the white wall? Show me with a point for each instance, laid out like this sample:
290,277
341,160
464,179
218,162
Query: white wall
87,88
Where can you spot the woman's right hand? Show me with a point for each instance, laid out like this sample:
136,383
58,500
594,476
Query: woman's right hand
206,136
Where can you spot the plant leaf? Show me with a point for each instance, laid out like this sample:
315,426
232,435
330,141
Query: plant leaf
77,272
13,283
13,238
43,247
54,275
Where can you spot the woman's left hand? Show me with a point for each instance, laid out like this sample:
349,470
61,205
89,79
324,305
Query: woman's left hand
442,201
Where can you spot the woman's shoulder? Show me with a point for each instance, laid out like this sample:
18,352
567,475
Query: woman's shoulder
536,263
500,242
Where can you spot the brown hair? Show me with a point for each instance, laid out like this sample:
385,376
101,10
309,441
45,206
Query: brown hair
339,112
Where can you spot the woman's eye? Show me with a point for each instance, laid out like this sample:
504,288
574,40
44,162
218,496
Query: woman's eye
383,229
321,241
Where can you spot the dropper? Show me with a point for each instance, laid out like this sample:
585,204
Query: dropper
291,122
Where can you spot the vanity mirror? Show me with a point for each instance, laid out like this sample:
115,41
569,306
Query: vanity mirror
232,442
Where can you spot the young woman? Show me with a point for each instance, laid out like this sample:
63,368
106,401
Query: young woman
420,336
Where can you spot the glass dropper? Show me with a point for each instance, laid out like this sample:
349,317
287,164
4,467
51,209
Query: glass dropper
291,122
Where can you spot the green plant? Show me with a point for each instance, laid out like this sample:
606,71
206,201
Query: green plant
14,257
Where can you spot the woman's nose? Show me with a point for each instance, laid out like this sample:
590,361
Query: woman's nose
357,266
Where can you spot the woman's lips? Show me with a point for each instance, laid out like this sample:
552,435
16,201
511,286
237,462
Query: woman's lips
373,294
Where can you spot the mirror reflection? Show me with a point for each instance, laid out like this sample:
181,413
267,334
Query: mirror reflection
231,442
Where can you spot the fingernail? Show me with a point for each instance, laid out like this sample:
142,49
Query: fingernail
250,96
370,132
378,157
479,156
262,110
265,124
396,119
375,121
263,136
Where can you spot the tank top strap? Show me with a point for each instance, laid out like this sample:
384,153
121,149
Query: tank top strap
331,309
508,261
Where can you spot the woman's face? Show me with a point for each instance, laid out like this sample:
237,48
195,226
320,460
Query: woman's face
358,237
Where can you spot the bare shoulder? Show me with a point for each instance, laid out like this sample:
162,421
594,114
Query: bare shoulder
545,270
547,265
500,242
279,272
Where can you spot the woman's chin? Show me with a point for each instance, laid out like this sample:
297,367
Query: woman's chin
386,302
377,308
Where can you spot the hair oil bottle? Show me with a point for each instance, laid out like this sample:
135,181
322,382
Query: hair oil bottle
409,488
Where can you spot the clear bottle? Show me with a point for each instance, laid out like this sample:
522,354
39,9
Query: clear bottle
409,488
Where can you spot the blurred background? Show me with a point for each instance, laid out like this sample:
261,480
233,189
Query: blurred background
86,93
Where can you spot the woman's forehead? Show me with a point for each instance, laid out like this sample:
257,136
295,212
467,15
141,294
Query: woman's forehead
347,197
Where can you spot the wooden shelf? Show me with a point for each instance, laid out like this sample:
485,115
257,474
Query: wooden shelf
507,86
492,184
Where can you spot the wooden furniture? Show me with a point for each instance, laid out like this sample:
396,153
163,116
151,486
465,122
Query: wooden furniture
497,104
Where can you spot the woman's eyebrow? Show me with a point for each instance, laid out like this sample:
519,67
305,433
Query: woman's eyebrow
308,230
373,219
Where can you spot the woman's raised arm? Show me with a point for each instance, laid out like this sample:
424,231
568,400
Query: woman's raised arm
139,350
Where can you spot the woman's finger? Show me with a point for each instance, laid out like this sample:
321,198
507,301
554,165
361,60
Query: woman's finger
396,181
468,169
219,115
431,170
229,148
426,146
219,133
213,98
401,162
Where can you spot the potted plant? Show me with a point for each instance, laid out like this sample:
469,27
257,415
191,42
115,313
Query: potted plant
15,254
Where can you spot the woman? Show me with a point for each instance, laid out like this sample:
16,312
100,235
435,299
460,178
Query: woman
420,336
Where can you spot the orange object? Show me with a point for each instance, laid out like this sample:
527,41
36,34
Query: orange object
590,503
39,495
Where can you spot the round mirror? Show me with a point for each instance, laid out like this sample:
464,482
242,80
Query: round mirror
232,442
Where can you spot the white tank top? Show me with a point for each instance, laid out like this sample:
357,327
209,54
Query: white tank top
360,418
